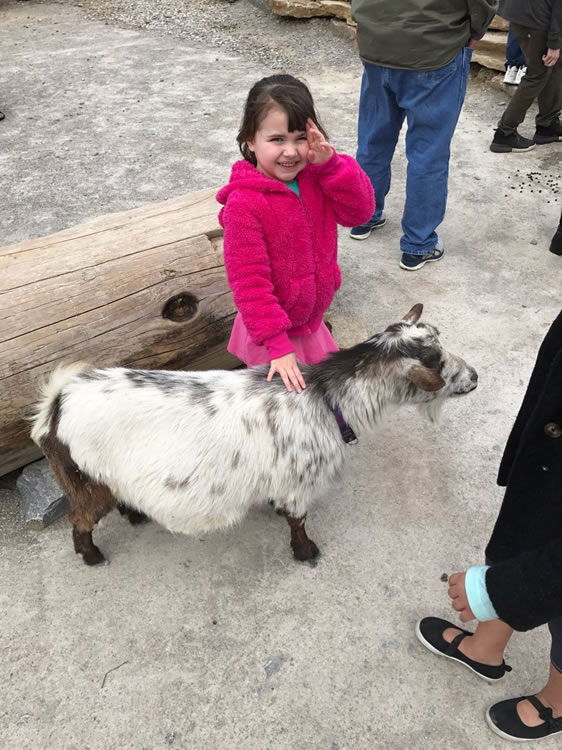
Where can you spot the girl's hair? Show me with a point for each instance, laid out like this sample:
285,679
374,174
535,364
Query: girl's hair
283,91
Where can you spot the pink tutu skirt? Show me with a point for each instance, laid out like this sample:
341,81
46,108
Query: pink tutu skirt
309,349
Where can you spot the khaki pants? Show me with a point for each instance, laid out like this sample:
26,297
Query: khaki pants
540,82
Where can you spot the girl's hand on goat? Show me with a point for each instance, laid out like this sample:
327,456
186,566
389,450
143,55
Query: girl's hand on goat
287,366
319,150
459,599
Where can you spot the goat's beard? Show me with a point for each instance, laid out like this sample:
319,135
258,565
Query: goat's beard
432,409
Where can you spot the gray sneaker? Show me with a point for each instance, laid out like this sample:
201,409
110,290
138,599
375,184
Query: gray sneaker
411,262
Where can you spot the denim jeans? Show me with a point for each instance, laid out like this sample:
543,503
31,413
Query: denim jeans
430,101
513,53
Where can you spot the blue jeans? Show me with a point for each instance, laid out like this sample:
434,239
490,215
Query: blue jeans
513,53
430,101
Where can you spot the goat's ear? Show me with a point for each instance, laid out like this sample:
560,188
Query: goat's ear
414,314
425,378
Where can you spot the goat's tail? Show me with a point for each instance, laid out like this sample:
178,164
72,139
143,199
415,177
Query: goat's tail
50,390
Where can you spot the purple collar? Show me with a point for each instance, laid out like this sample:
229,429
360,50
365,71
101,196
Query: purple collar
346,432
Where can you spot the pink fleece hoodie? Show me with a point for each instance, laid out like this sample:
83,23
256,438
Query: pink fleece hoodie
280,250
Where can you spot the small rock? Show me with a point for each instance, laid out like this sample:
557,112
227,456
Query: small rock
42,498
444,578
534,242
273,665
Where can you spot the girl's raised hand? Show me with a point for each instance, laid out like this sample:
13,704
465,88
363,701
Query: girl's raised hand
288,368
319,150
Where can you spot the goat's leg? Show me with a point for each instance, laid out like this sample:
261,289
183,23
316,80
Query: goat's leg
303,547
133,516
84,516
89,500
84,545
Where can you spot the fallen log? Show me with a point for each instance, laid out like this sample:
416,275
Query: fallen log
143,288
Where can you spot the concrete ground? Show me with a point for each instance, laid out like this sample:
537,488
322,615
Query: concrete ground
224,641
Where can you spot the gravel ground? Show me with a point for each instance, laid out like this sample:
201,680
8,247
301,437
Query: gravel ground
223,642
242,27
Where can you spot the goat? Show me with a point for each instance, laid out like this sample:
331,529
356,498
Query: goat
194,450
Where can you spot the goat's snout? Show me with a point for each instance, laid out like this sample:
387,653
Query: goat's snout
467,382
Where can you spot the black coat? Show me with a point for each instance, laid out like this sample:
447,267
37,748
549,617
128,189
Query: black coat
525,582
545,15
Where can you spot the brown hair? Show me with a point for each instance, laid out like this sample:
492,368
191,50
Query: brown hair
283,91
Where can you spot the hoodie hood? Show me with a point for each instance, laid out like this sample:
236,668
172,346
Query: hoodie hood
247,177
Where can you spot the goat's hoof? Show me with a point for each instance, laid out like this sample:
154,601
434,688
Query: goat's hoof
94,557
306,552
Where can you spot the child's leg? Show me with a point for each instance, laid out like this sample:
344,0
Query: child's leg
550,696
488,643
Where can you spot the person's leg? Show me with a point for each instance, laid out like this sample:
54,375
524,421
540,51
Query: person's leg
533,43
433,100
380,120
551,694
513,52
487,644
550,99
507,715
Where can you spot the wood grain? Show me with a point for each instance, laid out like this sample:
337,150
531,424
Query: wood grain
101,292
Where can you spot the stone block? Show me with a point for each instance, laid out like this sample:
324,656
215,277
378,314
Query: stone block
490,51
42,499
309,8
499,24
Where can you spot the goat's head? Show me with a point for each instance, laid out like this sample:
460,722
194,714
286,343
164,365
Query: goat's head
421,370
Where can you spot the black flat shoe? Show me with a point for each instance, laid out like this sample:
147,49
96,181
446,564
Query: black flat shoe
504,720
430,631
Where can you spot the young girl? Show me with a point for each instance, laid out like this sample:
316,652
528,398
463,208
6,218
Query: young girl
280,215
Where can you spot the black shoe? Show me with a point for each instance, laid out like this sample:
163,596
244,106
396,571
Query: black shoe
556,244
430,631
363,231
504,144
504,720
551,134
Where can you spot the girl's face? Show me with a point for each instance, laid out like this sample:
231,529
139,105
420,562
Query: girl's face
279,153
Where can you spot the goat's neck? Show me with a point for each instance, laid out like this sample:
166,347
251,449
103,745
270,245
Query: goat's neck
364,400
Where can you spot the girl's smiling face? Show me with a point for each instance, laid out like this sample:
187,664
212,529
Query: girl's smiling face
280,154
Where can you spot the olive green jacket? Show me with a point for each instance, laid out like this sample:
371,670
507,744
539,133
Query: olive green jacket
418,34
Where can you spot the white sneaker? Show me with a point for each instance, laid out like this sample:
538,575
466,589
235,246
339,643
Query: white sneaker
520,73
511,75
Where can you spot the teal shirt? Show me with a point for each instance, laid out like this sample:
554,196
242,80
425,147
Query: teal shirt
294,185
